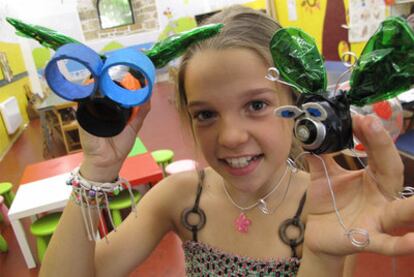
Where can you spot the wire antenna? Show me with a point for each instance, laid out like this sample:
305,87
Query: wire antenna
349,65
273,75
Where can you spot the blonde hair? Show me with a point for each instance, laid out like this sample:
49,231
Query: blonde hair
243,28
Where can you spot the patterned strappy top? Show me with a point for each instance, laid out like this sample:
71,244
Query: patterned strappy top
204,260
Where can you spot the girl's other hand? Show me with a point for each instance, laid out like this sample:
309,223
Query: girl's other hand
365,199
103,157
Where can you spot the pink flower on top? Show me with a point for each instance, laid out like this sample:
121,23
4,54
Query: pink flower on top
242,223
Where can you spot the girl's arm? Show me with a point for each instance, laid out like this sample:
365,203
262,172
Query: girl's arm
320,265
70,253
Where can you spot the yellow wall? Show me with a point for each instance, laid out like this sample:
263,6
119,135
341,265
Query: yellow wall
15,88
311,20
14,56
257,4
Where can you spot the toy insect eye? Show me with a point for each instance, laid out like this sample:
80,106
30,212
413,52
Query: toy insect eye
315,111
288,111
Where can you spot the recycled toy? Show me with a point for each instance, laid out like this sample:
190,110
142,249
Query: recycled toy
323,121
322,118
104,107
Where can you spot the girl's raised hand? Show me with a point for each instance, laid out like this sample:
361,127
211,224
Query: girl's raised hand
103,157
365,199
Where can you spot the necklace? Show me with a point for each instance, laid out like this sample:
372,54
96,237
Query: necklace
242,223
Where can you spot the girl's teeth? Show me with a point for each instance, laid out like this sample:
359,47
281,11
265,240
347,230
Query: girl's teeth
239,162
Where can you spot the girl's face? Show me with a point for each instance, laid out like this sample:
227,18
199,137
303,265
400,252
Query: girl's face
231,104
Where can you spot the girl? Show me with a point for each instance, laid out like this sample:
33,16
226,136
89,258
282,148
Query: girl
245,213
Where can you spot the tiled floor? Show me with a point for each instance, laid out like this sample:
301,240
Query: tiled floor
161,130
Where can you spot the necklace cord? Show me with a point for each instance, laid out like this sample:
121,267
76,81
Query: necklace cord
404,193
260,200
359,237
185,215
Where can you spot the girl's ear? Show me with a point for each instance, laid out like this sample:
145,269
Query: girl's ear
315,111
288,111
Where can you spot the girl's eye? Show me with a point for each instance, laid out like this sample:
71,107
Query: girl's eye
257,105
203,115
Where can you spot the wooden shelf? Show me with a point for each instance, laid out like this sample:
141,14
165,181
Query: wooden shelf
72,140
62,122
73,125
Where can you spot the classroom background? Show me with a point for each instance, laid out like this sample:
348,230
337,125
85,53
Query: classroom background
39,136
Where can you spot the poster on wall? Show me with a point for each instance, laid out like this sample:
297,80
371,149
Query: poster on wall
364,18
178,16
5,67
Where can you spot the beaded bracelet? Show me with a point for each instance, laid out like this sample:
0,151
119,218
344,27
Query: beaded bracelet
95,195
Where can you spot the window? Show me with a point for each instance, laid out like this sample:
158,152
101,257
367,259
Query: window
115,13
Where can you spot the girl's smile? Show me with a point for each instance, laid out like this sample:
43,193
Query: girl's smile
243,165
231,104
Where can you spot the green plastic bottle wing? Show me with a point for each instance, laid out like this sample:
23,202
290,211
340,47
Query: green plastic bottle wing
160,54
172,47
386,65
298,60
45,36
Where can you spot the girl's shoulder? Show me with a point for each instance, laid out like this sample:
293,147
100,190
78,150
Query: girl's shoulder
179,190
302,179
189,181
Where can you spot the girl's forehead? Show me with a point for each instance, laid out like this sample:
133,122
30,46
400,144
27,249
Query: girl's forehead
225,70
231,94
236,60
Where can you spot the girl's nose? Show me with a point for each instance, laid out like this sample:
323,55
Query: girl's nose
232,134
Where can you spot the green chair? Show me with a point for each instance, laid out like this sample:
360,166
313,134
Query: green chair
138,148
7,193
163,157
43,229
3,244
121,201
4,211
